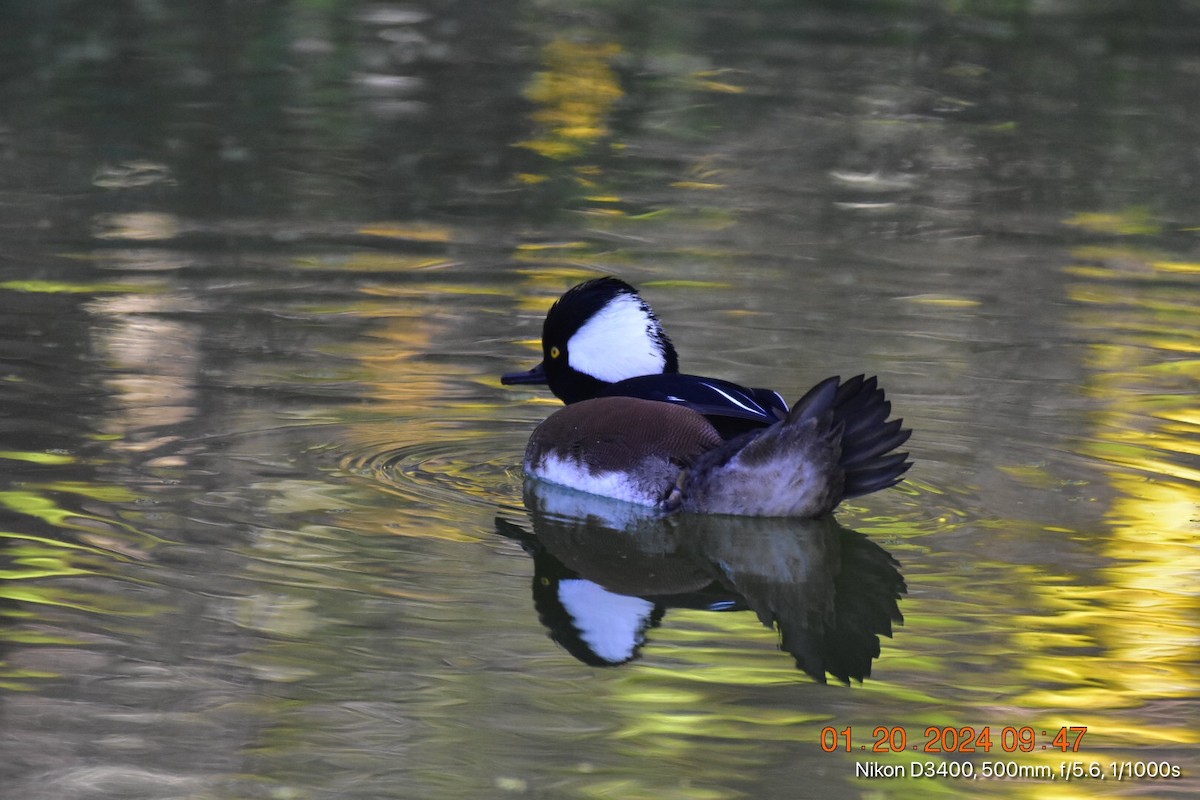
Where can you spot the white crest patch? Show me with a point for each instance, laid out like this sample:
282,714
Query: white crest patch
616,343
611,624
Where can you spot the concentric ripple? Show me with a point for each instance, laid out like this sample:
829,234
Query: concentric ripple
479,470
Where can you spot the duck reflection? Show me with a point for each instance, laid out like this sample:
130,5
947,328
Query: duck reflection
606,572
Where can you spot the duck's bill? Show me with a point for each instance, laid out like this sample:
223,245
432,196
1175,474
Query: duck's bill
535,375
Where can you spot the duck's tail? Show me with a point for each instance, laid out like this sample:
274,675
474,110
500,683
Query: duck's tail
835,443
868,438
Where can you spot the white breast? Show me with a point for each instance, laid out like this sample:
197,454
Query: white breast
565,471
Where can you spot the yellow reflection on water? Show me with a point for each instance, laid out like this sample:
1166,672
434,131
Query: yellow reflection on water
1131,221
575,95
574,98
367,261
421,436
409,232
1129,638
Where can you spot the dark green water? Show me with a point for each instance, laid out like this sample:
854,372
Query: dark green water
261,265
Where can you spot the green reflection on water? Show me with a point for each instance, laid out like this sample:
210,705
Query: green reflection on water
38,458
41,506
62,287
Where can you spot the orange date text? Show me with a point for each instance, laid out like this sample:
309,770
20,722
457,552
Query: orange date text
950,739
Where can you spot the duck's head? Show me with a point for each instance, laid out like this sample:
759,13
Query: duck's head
598,333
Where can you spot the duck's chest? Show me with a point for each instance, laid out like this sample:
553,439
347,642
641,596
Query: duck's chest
625,448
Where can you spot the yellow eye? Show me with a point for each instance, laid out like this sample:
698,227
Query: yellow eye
555,352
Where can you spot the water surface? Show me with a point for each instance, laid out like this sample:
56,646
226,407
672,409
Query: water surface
265,531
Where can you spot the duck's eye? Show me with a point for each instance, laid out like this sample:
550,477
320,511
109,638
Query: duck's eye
555,352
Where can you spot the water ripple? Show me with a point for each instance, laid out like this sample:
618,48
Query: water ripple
482,471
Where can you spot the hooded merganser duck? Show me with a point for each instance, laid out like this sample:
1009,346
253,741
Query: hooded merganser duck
636,429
